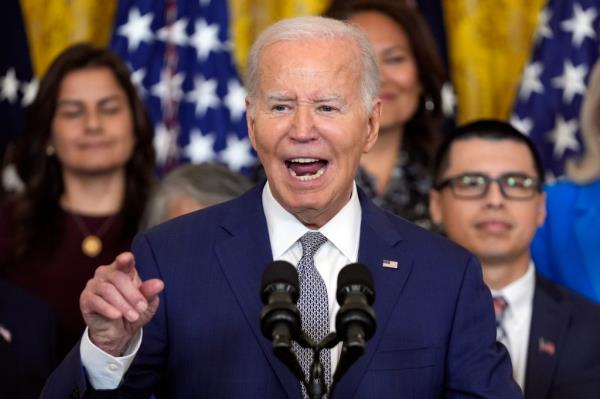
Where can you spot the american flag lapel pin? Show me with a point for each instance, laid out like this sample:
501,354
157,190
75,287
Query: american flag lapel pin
390,264
546,346
5,334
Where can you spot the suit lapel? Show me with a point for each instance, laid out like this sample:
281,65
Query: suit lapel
548,327
243,257
379,241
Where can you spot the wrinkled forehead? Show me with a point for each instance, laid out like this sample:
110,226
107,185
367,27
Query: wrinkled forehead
324,63
340,52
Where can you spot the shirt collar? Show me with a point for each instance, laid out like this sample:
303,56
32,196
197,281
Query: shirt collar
519,293
343,230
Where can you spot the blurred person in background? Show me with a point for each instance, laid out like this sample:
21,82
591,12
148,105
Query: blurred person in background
395,173
188,188
566,248
86,162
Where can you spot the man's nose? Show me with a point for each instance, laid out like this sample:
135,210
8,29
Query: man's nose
303,126
494,196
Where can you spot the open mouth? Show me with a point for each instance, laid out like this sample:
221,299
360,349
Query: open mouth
306,169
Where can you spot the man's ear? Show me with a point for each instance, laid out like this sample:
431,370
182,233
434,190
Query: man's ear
373,125
250,109
435,207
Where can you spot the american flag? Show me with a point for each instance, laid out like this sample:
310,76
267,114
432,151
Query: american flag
180,54
17,83
546,346
554,82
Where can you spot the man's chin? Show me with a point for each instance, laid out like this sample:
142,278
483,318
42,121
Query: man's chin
495,257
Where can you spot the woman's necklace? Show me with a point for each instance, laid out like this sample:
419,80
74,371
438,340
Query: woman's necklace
91,245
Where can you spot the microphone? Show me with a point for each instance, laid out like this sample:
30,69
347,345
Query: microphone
280,318
355,321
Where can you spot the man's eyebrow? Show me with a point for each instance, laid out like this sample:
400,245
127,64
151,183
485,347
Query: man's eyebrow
330,98
280,97
495,175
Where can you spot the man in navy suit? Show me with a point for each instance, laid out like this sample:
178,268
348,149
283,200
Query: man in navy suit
312,110
488,198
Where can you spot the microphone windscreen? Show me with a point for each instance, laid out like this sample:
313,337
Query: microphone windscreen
280,272
354,274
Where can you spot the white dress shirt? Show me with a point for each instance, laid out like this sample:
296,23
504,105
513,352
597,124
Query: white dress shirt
343,235
517,321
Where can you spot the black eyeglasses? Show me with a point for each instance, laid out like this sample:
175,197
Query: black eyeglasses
476,185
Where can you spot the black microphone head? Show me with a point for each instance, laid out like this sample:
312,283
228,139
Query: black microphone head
355,274
280,272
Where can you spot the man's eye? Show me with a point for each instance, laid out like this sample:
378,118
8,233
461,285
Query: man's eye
278,107
327,108
519,181
470,181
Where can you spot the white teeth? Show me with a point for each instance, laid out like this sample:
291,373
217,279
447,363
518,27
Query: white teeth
303,160
308,177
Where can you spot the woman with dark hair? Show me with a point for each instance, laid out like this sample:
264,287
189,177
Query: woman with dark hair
86,160
395,173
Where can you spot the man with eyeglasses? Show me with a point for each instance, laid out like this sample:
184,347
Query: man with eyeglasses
488,197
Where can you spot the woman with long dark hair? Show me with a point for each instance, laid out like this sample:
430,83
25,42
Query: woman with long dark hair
86,160
395,173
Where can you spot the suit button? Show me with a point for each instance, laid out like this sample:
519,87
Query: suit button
74,393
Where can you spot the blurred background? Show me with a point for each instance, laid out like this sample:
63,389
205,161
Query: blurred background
523,61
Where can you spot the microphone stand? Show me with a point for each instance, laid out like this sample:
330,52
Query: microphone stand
280,322
349,354
315,383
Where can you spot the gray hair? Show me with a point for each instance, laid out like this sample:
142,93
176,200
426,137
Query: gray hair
208,184
301,28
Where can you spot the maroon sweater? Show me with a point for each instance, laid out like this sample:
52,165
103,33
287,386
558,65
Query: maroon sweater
59,277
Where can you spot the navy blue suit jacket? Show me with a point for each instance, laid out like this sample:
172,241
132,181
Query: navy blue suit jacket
32,353
435,335
563,360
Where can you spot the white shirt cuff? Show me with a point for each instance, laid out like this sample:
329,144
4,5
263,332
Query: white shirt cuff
106,371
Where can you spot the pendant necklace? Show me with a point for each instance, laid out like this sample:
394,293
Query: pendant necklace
91,245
